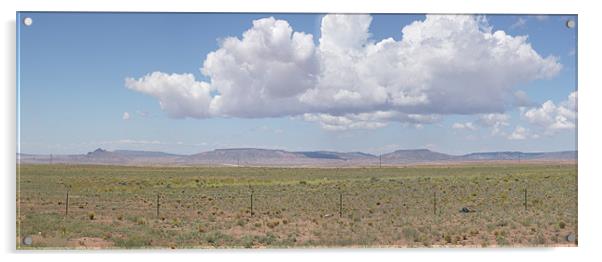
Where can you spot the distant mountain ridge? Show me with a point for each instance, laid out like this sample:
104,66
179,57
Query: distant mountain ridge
336,155
277,157
143,153
521,156
415,156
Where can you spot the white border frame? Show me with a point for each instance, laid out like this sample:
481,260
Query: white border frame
588,144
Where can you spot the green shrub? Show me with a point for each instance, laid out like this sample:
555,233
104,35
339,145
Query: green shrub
247,241
502,241
410,233
140,221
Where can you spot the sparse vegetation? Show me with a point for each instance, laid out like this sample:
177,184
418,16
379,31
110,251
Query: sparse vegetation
210,206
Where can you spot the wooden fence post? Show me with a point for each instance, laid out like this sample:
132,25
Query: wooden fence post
525,199
251,203
401,196
67,204
340,204
435,203
158,204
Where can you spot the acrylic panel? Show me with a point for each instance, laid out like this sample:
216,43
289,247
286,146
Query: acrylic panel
295,130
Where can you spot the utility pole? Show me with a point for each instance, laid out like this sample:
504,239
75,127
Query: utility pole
51,159
380,160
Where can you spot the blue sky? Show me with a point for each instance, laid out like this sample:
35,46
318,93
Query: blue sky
74,96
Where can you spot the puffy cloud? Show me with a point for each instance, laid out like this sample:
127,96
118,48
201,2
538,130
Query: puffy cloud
125,116
259,75
446,64
180,95
467,125
344,33
262,74
495,121
553,118
367,120
336,123
521,133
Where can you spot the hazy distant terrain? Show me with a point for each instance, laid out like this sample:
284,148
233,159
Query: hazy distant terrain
271,157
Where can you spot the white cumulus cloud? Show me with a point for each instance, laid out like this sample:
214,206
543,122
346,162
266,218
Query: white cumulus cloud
446,64
521,133
125,116
552,118
264,73
180,95
367,120
495,121
467,125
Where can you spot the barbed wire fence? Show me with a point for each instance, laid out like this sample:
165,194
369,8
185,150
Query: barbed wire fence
165,202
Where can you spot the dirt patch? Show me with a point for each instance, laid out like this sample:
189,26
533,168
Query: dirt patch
90,242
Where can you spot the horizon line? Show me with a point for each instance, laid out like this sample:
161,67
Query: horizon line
302,151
